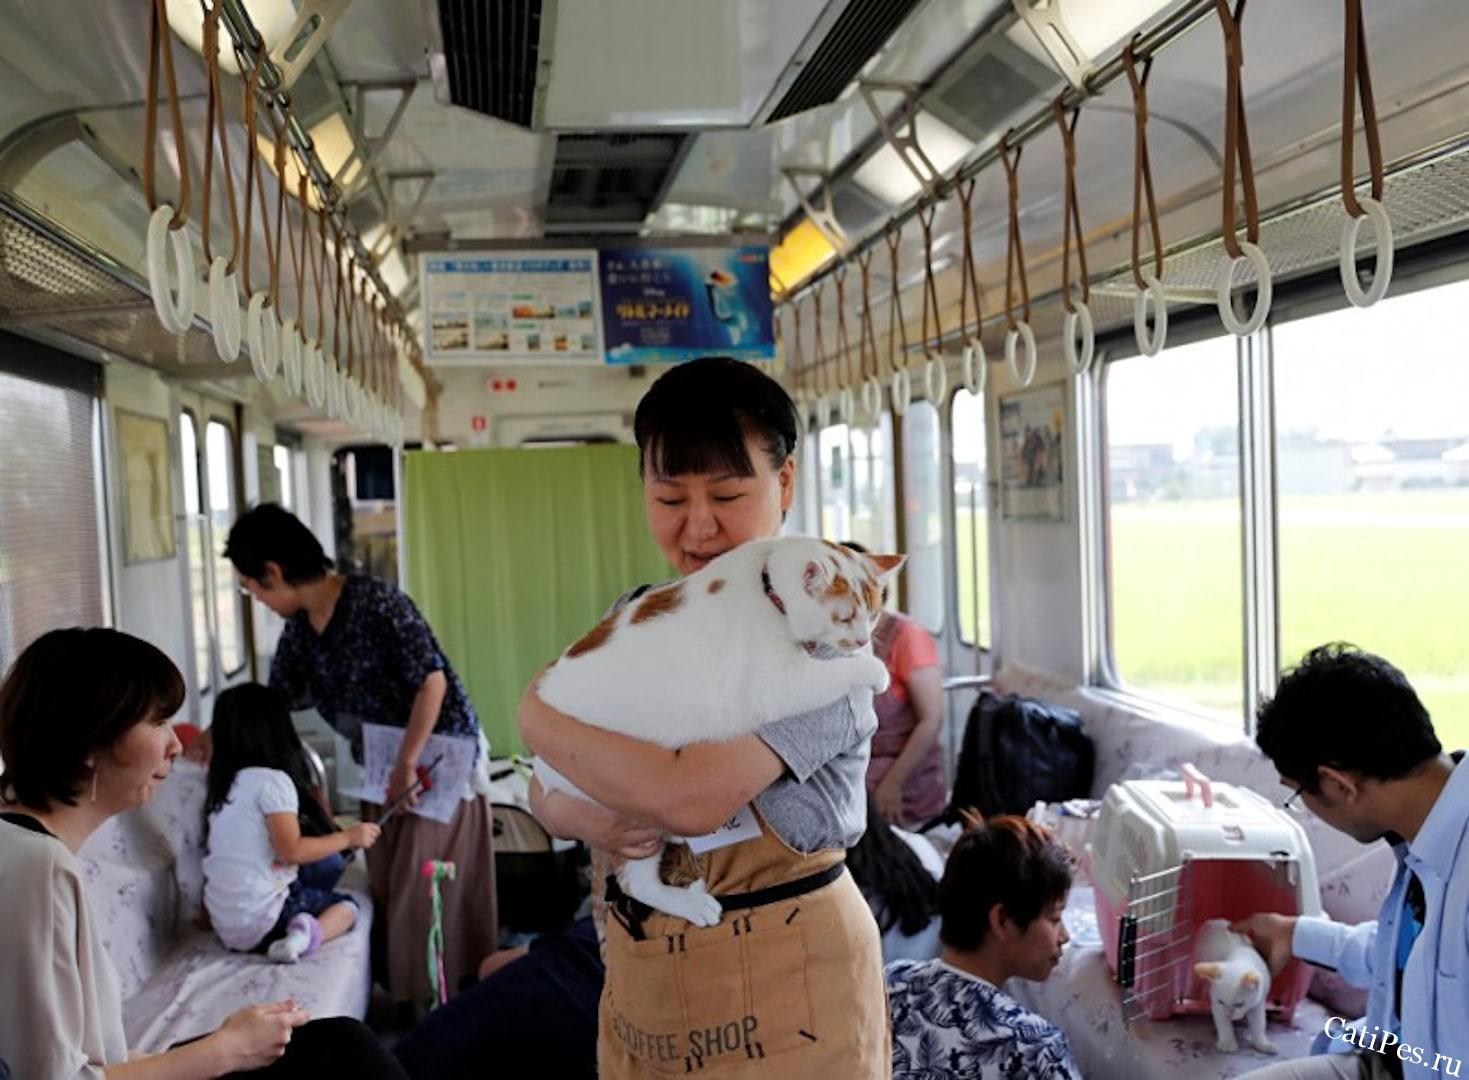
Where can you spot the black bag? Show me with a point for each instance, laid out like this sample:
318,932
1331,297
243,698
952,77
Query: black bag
537,888
1018,751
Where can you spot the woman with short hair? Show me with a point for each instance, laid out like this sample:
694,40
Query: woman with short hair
357,648
789,983
84,735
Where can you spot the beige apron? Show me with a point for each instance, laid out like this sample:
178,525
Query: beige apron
790,988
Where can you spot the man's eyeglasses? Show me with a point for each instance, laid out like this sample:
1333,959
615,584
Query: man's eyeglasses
1292,802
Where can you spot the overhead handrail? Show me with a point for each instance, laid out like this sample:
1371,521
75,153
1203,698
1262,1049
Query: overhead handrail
261,329
224,298
1078,314
975,363
174,303
1237,157
1357,83
1149,285
935,378
1016,330
867,343
902,383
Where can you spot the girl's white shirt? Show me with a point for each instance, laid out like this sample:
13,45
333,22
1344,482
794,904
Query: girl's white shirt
245,885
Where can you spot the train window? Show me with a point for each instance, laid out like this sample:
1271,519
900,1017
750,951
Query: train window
282,458
219,454
971,518
923,516
874,523
1372,460
198,587
1174,524
804,519
50,554
836,482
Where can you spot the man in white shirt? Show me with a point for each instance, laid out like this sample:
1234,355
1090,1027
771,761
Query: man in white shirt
1349,736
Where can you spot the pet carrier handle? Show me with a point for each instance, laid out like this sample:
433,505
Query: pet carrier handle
1193,778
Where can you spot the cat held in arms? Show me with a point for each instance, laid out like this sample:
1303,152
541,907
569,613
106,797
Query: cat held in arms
767,631
1239,983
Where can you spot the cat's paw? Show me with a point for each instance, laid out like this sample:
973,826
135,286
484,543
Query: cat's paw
875,674
1265,1046
697,906
1227,1044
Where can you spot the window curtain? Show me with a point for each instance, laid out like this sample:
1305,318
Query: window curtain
514,554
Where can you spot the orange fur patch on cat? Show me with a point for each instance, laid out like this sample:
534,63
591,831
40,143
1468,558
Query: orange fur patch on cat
595,638
715,586
658,603
839,586
871,594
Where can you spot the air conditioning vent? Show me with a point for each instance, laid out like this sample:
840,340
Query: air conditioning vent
983,92
487,56
616,178
856,36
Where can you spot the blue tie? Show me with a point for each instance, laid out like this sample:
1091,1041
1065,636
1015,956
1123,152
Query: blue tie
1409,927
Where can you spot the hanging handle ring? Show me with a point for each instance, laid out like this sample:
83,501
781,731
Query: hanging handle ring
173,301
976,366
935,380
263,333
1252,254
1021,331
224,310
872,397
846,405
1150,344
902,389
1079,316
1382,273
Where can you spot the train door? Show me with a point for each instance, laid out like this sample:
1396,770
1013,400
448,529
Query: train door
217,627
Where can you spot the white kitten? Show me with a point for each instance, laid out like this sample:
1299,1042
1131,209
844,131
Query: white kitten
769,630
1239,983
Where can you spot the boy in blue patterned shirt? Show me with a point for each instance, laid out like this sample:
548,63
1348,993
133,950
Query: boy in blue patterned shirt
1000,902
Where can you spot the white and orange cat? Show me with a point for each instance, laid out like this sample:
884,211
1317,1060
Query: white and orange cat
1239,983
769,630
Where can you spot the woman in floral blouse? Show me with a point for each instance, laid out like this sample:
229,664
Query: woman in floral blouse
1000,902
358,649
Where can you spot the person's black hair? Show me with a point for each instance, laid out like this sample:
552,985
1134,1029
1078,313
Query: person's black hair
898,887
1349,710
70,694
696,416
271,533
252,727
1008,861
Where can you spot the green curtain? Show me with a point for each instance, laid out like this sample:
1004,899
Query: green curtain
514,554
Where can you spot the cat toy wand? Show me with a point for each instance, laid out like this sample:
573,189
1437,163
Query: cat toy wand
423,784
437,871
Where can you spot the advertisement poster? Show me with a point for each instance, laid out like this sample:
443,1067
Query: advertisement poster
1032,441
666,305
521,305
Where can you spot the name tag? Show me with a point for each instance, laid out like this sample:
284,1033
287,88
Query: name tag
743,826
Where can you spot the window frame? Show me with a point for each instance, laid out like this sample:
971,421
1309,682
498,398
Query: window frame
1431,265
986,568
232,468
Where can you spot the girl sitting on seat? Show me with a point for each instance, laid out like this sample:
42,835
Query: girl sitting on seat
273,853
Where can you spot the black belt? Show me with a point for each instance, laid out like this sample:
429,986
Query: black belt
631,912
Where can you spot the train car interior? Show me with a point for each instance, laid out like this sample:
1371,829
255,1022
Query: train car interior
1134,325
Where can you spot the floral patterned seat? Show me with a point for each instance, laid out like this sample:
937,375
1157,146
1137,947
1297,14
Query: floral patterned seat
144,880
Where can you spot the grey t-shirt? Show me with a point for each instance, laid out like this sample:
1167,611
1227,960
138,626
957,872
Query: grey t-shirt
820,800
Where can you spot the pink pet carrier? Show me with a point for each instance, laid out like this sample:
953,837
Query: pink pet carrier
1168,855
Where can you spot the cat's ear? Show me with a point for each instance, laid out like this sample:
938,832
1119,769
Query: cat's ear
1207,971
1249,980
885,566
816,578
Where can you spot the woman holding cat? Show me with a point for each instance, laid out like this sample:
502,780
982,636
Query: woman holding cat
790,981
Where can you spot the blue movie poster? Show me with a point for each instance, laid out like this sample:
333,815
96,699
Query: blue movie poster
661,306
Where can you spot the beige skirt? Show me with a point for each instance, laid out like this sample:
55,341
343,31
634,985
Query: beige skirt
403,911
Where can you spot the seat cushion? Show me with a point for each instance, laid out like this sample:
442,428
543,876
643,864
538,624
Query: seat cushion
200,982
